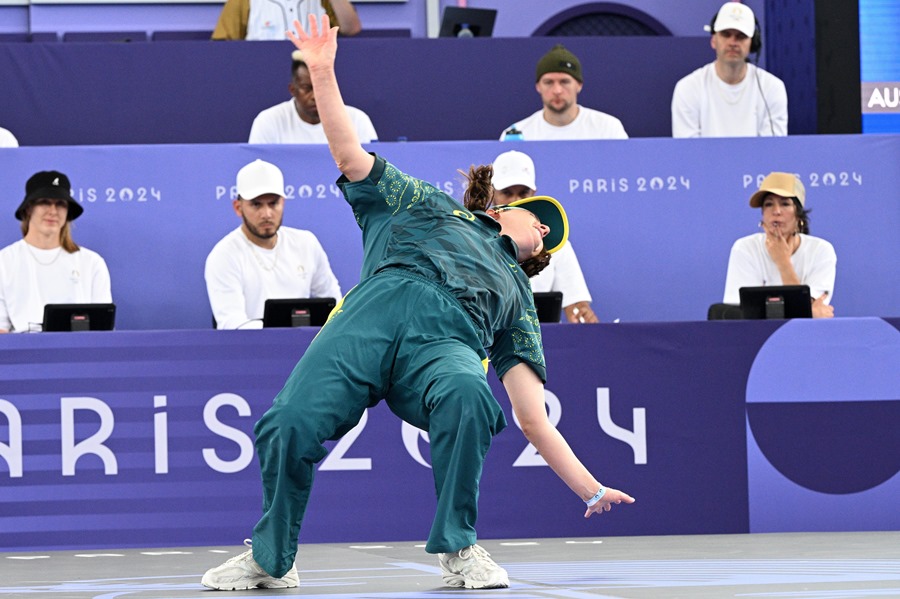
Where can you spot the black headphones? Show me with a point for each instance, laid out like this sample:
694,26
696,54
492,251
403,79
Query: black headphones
755,41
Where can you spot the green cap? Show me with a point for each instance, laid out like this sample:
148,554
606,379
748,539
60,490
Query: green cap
550,213
559,60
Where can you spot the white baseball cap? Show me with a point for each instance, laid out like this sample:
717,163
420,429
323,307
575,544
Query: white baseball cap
734,15
513,168
259,178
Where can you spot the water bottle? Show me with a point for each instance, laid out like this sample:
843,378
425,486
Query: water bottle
513,134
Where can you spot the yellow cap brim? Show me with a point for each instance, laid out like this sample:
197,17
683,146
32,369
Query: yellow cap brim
551,213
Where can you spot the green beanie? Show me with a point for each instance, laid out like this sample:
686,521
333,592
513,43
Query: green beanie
559,60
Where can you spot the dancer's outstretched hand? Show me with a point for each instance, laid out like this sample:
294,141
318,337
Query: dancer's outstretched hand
605,504
319,46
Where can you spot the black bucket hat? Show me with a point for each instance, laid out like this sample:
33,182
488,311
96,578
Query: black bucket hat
49,185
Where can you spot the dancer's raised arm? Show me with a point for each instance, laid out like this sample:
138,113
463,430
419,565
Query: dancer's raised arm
319,48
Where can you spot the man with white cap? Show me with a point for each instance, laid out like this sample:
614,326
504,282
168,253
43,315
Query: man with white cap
514,179
262,260
784,253
731,97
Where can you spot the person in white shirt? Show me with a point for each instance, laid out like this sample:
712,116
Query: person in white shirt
46,266
514,178
262,260
269,19
296,121
731,97
784,253
559,81
7,139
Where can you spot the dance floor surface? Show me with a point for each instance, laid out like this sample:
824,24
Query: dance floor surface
799,565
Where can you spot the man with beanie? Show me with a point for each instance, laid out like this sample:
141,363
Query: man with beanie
730,97
46,266
559,81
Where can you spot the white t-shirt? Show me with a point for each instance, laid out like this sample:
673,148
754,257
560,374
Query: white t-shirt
281,124
750,265
705,106
241,276
563,274
269,19
31,278
589,124
7,139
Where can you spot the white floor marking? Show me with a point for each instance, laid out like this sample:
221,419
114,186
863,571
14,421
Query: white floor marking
519,544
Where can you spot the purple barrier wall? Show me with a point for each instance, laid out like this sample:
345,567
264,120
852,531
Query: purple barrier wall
422,89
652,220
145,438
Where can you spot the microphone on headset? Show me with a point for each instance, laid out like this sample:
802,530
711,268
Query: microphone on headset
763,96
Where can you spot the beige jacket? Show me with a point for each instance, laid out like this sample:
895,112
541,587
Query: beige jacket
235,15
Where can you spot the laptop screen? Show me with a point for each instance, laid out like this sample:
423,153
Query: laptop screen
79,317
549,305
782,301
295,312
467,22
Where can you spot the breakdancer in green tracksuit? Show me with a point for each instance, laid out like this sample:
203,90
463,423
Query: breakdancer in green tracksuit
443,289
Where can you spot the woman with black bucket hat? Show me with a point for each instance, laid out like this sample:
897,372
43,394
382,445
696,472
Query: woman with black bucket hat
46,266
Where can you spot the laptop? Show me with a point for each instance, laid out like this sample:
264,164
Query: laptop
79,317
297,312
549,305
781,301
467,22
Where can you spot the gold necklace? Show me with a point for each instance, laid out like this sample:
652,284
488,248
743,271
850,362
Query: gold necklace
260,259
33,255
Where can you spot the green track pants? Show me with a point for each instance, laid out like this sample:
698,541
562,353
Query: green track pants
398,337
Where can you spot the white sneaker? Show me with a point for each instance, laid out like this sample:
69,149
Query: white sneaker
242,572
472,568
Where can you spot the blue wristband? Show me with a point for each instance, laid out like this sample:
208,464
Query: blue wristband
593,500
